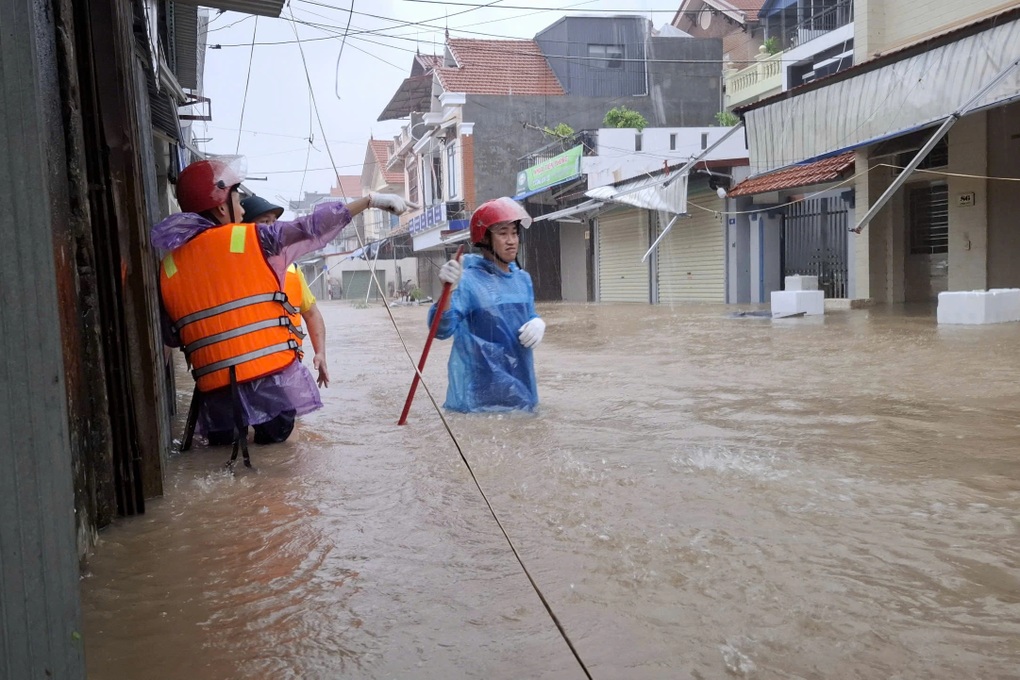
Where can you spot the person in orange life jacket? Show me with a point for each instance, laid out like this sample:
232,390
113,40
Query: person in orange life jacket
260,211
221,283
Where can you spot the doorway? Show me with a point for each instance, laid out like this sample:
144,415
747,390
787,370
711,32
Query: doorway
927,265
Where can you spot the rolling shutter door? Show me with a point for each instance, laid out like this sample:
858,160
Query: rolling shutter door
623,240
357,283
692,257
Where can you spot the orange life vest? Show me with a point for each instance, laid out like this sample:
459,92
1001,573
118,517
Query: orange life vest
226,303
292,287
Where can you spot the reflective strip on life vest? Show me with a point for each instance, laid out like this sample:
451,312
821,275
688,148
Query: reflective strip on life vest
278,296
249,356
235,333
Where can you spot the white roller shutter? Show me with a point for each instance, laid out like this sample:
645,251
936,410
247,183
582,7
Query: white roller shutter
623,240
692,258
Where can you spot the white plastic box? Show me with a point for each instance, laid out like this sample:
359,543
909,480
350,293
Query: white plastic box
999,305
790,302
800,282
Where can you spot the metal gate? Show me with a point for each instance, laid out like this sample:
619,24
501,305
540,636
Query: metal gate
815,236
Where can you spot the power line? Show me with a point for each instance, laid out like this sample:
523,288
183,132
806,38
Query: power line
347,29
492,511
247,79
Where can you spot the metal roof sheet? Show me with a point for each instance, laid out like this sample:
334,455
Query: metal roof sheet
264,8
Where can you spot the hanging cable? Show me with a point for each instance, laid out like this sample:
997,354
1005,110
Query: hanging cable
244,100
435,404
343,41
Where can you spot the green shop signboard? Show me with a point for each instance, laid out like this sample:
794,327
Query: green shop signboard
557,169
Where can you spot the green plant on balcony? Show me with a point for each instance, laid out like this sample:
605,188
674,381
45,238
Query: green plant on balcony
727,118
622,117
561,131
772,45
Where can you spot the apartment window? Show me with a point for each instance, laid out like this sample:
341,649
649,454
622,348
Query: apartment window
704,141
437,177
672,141
412,182
637,141
451,170
929,219
606,56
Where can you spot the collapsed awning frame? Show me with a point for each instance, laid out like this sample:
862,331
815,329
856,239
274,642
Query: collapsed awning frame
930,144
868,103
591,205
682,172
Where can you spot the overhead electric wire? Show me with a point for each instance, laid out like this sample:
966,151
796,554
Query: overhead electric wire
247,80
340,54
492,511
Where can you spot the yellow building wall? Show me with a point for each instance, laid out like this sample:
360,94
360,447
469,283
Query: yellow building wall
884,25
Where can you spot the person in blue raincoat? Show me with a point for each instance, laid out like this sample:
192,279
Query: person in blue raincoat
491,317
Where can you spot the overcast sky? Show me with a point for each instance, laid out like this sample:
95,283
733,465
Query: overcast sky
273,123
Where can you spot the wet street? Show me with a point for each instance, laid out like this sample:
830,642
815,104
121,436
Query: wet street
700,496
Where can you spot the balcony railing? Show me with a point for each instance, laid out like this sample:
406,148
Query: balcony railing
799,24
759,79
587,138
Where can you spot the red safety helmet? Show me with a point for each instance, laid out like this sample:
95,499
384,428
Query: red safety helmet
205,184
496,211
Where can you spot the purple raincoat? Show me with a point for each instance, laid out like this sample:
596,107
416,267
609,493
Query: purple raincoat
293,388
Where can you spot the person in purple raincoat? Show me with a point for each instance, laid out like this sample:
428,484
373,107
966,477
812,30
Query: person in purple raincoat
209,194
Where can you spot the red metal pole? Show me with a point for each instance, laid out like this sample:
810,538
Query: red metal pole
440,307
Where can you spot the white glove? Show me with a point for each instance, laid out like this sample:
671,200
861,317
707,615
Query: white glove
391,203
450,273
531,333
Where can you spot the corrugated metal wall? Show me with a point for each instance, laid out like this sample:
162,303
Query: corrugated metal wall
622,241
566,45
39,607
692,258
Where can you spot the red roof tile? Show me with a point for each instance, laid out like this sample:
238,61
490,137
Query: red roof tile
748,7
498,67
819,172
429,61
347,186
381,151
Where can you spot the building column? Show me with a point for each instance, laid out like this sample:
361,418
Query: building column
467,145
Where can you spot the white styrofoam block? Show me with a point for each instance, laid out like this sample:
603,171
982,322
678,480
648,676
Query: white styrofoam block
788,302
801,282
1009,303
999,305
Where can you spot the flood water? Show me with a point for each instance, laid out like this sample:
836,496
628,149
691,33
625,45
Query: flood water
700,497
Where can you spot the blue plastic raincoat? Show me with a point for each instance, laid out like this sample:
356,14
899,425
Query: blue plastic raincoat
489,369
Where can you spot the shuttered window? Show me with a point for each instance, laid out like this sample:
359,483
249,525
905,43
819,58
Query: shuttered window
929,220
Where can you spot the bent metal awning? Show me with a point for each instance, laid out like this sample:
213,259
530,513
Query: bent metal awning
668,194
913,88
589,206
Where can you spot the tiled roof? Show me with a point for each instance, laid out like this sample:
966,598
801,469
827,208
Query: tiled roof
347,186
748,7
381,151
498,67
819,172
429,61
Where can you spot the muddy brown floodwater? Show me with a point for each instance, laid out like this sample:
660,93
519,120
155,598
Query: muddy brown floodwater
700,496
